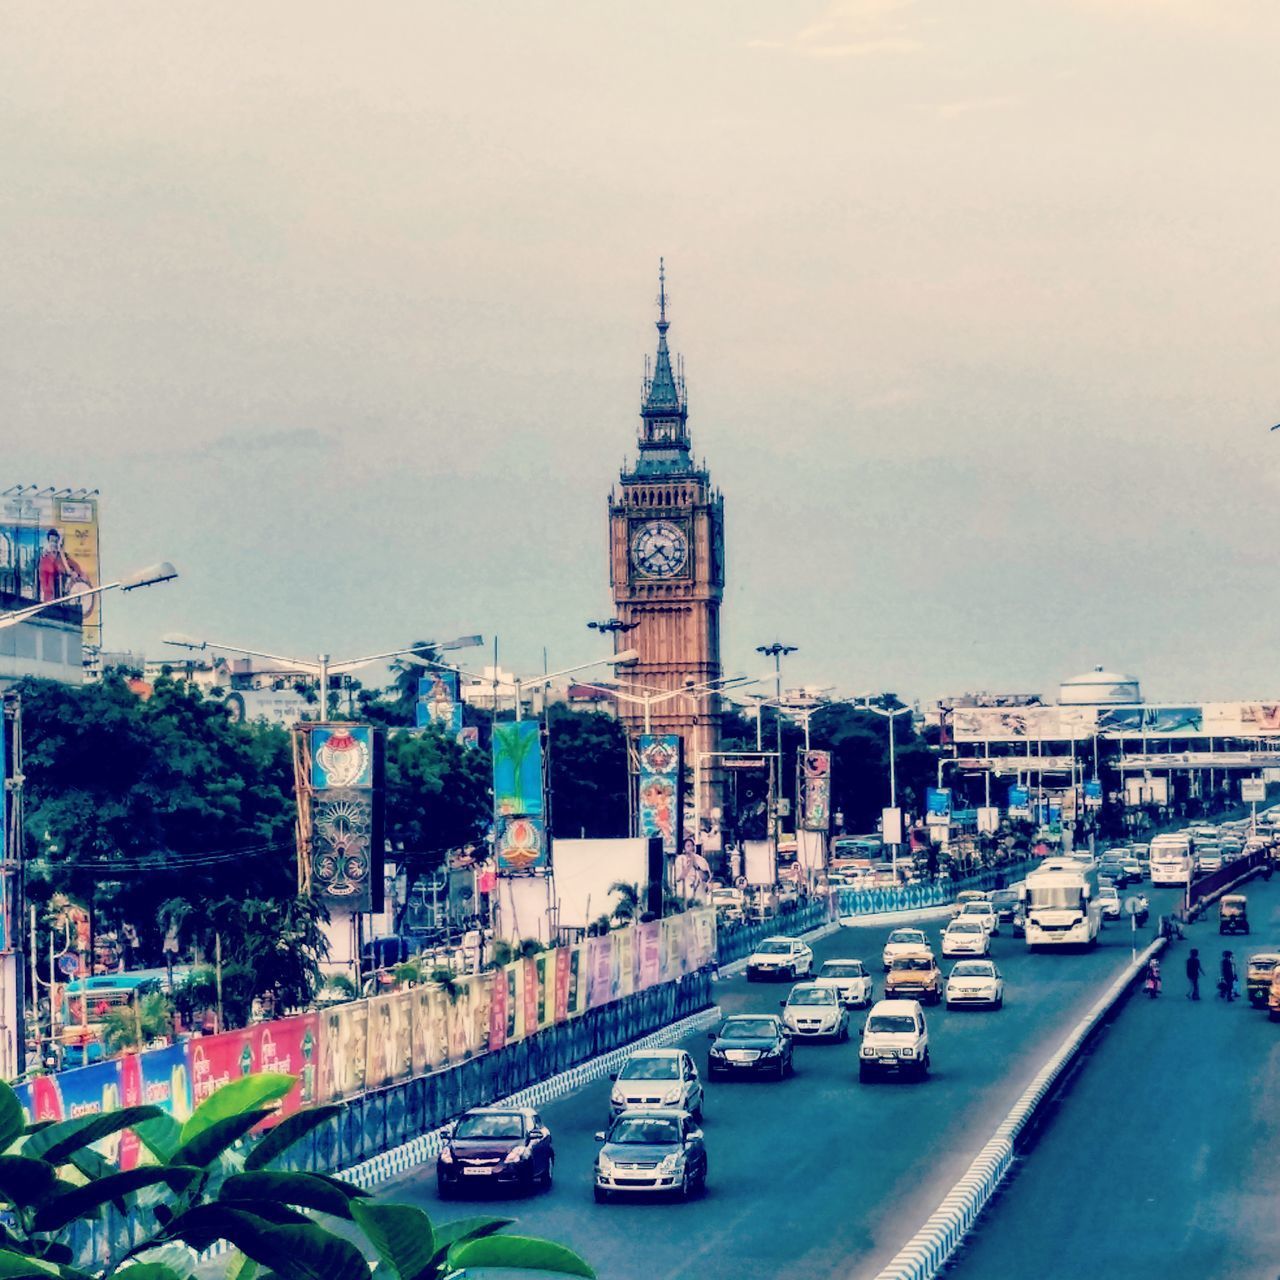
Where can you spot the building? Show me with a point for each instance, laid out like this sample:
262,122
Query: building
666,569
48,645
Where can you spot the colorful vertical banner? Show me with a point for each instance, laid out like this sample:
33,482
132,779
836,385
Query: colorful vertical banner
498,1011
521,845
650,954
661,811
815,790
564,964
438,702
937,805
517,769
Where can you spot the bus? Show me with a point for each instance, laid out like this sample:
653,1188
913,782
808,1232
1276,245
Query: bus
1061,906
86,1002
1172,862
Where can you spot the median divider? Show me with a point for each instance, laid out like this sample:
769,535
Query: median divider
927,1252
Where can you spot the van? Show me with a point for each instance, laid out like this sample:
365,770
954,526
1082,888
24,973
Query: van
895,1041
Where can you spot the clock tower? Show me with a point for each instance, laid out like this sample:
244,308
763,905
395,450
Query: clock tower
666,568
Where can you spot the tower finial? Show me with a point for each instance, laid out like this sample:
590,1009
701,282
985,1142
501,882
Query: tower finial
662,292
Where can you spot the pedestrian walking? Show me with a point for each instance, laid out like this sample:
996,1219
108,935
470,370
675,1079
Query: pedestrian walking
1151,983
1195,971
1227,983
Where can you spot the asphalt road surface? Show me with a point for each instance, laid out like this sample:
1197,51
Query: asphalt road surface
817,1175
1161,1159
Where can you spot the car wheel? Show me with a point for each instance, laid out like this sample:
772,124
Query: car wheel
602,1195
1000,1002
696,1113
548,1175
950,1006
863,1074
444,1189
843,1037
685,1190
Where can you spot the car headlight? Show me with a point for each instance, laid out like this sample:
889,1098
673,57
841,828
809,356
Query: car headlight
771,1052
670,1163
446,1154
604,1165
908,1053
616,1095
868,1051
516,1154
672,1095
716,1052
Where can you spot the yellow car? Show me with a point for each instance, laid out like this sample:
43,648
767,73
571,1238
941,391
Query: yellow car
914,975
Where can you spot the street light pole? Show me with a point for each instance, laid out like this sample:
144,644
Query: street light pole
777,651
162,572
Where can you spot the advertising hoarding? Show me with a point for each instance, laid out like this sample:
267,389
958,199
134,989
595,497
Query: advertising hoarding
1252,790
891,826
937,806
661,810
815,790
438,702
521,845
517,769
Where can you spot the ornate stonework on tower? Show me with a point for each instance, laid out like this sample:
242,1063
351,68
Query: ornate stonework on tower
666,567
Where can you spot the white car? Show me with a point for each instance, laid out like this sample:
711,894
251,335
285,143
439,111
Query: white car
902,942
895,1041
657,1078
1109,900
850,979
983,912
975,982
814,1012
1209,858
780,957
965,937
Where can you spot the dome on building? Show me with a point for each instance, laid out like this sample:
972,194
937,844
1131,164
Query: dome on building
1099,688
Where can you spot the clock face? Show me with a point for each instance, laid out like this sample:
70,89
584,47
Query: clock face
660,549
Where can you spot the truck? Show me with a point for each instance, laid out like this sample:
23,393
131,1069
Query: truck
1061,905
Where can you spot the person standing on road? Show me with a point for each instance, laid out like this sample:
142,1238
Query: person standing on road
1195,971
1227,984
1152,983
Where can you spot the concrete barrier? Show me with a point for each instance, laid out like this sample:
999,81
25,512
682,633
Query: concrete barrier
927,1252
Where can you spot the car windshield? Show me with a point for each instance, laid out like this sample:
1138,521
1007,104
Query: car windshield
965,926
906,935
650,1069
774,949
749,1028
1263,965
912,963
971,969
490,1126
976,908
813,995
892,1022
1108,891
644,1129
841,971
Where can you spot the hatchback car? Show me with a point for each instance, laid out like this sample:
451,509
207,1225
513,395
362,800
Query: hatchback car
495,1147
814,1012
914,975
1109,900
895,1041
983,912
657,1078
850,979
901,941
965,938
750,1044
654,1151
784,958
975,982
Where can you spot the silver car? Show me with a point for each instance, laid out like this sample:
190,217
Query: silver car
655,1151
814,1011
657,1078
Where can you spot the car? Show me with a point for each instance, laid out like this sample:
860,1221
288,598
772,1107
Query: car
814,1012
657,1078
963,937
895,1041
785,958
1114,869
1006,902
982,911
1134,868
975,982
850,979
651,1151
1109,900
1208,857
903,940
914,974
508,1147
965,896
750,1044
729,905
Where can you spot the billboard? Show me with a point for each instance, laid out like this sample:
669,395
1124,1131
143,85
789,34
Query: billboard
517,768
49,549
521,845
815,790
438,702
341,756
661,810
1145,721
752,782
938,805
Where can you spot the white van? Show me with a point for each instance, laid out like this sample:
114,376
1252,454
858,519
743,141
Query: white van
895,1041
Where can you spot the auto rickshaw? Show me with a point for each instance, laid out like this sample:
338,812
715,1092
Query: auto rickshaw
1258,976
1273,996
1233,913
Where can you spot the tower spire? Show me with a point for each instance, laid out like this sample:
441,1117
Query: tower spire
662,295
664,432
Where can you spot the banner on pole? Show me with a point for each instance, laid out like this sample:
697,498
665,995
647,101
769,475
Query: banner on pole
815,790
661,810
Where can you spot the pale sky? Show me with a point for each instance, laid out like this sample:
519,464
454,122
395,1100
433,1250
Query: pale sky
344,309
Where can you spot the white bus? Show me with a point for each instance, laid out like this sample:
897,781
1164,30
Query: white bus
1171,860
1061,906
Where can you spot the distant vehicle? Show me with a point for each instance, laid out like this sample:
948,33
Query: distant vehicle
1061,905
914,975
750,1044
966,896
506,1146
1233,913
657,1078
730,904
1109,900
655,1151
814,1012
86,1002
1115,870
965,938
902,941
1134,868
851,980
1258,975
862,849
1171,860
975,982
983,912
1005,902
895,1041
784,958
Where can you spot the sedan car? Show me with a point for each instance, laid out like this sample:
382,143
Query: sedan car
964,937
1115,870
786,958
900,942
654,1151
983,912
750,1044
850,979
814,1012
496,1147
975,982
657,1078
914,975
1109,900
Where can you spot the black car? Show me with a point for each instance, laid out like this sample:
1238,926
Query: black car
1115,871
750,1044
496,1147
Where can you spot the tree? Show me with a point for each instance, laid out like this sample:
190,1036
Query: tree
195,1193
587,773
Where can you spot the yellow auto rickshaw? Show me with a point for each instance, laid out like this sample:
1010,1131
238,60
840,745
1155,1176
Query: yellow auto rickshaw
1233,913
1258,975
1273,996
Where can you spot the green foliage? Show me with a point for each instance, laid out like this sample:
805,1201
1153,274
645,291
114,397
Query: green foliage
586,773
195,1194
132,1027
629,905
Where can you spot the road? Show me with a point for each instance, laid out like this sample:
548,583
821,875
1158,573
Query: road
818,1175
1161,1158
